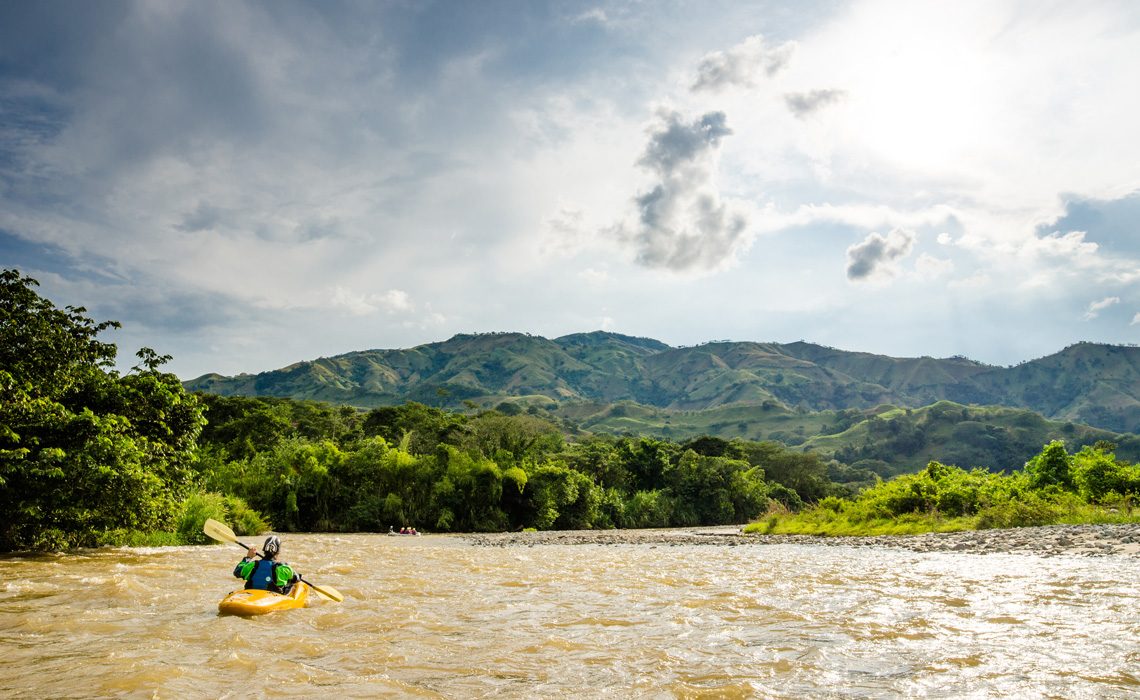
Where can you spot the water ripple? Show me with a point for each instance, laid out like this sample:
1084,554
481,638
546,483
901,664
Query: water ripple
433,617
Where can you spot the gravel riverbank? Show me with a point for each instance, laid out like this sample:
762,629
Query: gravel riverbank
1049,540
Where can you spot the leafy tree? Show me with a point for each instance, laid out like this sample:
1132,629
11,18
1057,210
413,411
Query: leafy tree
1098,475
510,439
647,460
804,473
82,449
600,459
1052,467
428,426
473,491
649,509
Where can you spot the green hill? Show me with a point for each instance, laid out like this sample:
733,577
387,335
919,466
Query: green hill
886,440
1088,383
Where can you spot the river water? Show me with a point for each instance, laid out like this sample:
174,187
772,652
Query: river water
435,617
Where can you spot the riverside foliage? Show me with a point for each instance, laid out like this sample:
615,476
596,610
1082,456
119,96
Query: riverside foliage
1054,487
309,466
89,456
84,451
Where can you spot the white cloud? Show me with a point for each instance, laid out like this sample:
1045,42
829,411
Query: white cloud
595,14
428,320
391,301
1135,320
1097,306
565,233
929,267
978,280
594,276
1070,246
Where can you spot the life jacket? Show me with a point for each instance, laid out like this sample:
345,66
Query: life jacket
264,576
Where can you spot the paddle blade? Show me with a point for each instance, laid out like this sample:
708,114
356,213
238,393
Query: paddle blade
218,531
327,592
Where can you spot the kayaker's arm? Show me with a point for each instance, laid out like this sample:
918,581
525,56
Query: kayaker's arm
245,566
286,576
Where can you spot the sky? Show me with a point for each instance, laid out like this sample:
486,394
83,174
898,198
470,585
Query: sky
245,185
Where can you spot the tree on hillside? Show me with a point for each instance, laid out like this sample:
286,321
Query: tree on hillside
82,449
1053,467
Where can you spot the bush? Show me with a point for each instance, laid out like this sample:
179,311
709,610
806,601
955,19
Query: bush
1017,514
196,510
243,519
649,509
231,510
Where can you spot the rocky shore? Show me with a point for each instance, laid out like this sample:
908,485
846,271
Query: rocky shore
1050,540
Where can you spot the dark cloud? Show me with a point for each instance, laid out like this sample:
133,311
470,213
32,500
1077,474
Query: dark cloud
679,144
682,222
204,218
742,65
872,257
803,104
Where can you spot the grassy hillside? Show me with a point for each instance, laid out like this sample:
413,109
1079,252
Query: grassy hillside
885,439
1085,383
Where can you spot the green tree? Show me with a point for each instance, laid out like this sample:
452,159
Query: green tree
82,449
600,459
1097,474
1052,467
428,426
804,473
508,440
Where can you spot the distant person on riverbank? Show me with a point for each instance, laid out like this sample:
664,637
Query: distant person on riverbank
267,574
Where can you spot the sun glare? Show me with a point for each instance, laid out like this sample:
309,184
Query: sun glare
920,100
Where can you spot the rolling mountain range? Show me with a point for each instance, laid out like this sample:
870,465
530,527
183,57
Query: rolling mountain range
1087,383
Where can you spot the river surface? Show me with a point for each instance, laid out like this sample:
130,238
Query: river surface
435,617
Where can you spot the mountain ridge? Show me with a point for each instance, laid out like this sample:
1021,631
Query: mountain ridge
1091,383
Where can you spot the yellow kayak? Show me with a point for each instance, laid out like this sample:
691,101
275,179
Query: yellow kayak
249,601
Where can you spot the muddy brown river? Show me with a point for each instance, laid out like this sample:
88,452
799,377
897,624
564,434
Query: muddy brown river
435,617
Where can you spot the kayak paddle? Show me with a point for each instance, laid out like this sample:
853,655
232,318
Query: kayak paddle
222,533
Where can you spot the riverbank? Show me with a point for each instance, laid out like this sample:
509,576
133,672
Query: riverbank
1048,540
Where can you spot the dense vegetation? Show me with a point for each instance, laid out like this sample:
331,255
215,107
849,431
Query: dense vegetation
309,466
89,456
1054,487
84,452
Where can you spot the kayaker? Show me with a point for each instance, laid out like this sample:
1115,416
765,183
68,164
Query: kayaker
267,574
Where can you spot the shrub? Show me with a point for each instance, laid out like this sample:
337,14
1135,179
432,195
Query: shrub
649,509
243,519
1053,467
196,509
228,509
1033,508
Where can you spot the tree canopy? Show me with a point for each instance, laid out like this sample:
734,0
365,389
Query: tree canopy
83,450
